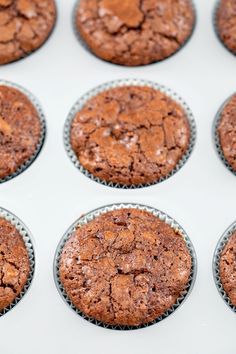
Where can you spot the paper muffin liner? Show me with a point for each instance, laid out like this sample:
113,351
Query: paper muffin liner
27,238
122,83
216,137
215,11
94,214
216,264
86,47
41,117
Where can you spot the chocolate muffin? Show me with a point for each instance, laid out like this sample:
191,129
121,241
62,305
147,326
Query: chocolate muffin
20,130
227,132
24,26
134,32
125,267
130,135
226,23
228,268
14,264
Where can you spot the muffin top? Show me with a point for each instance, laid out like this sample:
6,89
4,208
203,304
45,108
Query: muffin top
130,135
20,130
24,26
227,131
226,23
228,268
135,32
126,267
14,263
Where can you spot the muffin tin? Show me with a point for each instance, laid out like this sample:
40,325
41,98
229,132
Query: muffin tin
51,194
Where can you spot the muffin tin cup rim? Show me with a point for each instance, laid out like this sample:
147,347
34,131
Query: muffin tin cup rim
30,247
87,217
34,101
216,30
86,47
79,104
216,138
215,264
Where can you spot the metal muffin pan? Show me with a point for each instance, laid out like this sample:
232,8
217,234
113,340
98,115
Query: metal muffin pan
52,194
122,83
91,216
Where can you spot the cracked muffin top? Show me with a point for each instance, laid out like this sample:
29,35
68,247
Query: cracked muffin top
130,135
20,130
125,267
14,263
227,131
226,23
24,26
228,268
134,32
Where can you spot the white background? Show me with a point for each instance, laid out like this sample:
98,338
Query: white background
52,194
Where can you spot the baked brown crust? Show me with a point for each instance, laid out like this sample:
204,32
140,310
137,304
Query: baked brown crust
126,267
227,132
130,135
228,268
226,23
24,26
20,130
136,32
14,263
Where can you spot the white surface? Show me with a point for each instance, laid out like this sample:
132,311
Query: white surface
51,194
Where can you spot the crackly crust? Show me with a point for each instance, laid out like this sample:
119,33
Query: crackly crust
135,32
226,23
20,130
24,26
14,263
227,132
125,267
228,268
130,135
